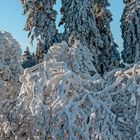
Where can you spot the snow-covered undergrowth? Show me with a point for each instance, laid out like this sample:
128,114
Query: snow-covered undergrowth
64,98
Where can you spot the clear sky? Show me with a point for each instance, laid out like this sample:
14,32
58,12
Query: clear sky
12,20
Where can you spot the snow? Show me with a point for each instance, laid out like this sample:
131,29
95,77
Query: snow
57,102
65,97
10,71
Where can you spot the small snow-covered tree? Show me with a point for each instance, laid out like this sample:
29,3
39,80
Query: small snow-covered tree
130,25
109,57
28,60
10,68
79,23
40,21
10,71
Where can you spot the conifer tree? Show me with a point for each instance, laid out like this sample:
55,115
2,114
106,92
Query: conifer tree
130,25
39,55
28,59
40,21
109,57
79,23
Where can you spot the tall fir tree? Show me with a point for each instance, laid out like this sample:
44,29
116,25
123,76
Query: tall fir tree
79,23
89,22
109,57
40,21
130,25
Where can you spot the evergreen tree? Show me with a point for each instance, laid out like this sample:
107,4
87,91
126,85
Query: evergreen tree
28,59
130,25
79,23
89,22
40,21
109,57
39,55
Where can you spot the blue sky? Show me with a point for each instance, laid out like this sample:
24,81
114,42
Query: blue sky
12,20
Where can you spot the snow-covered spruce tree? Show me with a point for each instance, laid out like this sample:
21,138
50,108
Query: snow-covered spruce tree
79,23
109,57
28,60
10,71
130,25
40,21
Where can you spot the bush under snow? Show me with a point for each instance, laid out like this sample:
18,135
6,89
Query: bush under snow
59,99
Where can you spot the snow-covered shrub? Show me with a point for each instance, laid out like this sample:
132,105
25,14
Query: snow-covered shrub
78,57
60,100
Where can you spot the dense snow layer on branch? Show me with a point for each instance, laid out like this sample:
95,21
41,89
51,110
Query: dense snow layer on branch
10,71
78,57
